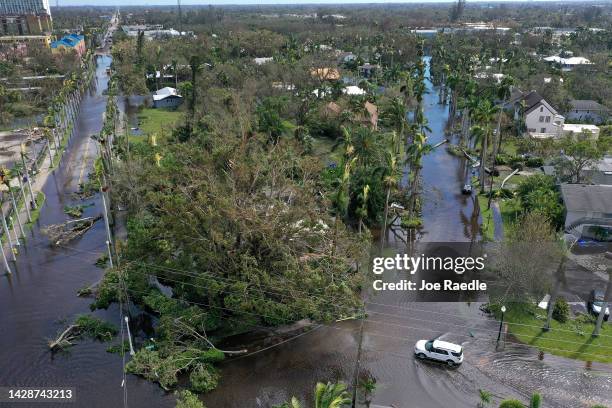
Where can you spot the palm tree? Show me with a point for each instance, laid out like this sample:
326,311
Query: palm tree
484,114
340,199
195,64
415,152
331,395
397,116
503,93
362,210
391,181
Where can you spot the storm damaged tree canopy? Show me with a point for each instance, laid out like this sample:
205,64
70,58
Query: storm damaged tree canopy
525,262
242,228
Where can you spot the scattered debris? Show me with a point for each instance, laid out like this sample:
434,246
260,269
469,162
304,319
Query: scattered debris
84,326
62,233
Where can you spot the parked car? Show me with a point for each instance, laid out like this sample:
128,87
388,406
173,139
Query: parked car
438,350
596,301
467,189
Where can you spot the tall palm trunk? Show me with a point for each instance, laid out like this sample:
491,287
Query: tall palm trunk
483,155
386,214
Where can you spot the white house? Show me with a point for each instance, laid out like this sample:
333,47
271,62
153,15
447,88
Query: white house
540,118
167,98
568,64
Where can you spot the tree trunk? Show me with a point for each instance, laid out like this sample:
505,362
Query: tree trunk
553,296
602,312
386,213
483,155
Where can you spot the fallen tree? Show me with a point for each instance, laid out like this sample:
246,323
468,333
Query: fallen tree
83,326
67,231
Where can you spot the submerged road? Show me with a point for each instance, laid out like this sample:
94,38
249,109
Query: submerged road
395,322
39,299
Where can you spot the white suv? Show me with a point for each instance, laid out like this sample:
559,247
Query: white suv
449,353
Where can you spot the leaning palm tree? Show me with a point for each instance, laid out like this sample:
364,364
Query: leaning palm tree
331,395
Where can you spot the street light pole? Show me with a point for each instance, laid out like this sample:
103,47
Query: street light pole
27,175
501,322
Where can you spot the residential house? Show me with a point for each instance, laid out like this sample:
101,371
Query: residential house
587,111
588,209
600,172
368,70
325,74
167,98
541,120
567,64
69,43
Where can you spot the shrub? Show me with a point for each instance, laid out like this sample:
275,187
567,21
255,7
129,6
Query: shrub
502,158
534,162
511,403
186,399
412,222
536,401
204,378
561,310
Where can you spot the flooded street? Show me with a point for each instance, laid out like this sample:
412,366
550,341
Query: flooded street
39,299
395,323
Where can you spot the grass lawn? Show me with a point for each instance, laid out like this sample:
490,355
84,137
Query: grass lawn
322,148
487,227
509,208
157,121
509,146
571,339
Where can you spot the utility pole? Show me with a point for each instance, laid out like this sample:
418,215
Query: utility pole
27,175
6,232
17,212
127,324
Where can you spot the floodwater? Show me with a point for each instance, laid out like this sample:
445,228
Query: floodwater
40,297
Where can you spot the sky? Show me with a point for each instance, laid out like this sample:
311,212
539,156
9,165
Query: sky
221,2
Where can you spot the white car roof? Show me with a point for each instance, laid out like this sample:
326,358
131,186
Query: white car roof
447,346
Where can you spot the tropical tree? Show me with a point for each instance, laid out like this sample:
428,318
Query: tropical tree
391,180
484,114
331,396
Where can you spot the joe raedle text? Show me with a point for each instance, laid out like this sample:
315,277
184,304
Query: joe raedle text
446,285
458,265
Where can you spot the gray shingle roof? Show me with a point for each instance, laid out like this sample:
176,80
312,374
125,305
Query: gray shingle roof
583,197
586,104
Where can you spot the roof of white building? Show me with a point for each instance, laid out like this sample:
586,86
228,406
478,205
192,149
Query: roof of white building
262,60
167,91
353,90
568,61
578,128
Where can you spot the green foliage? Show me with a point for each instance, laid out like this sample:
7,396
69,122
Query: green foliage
185,399
411,222
536,401
561,310
485,397
95,328
538,193
511,403
331,396
204,378
107,290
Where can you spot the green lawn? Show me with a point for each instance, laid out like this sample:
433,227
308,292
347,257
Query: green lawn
509,208
487,227
158,122
322,148
571,339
